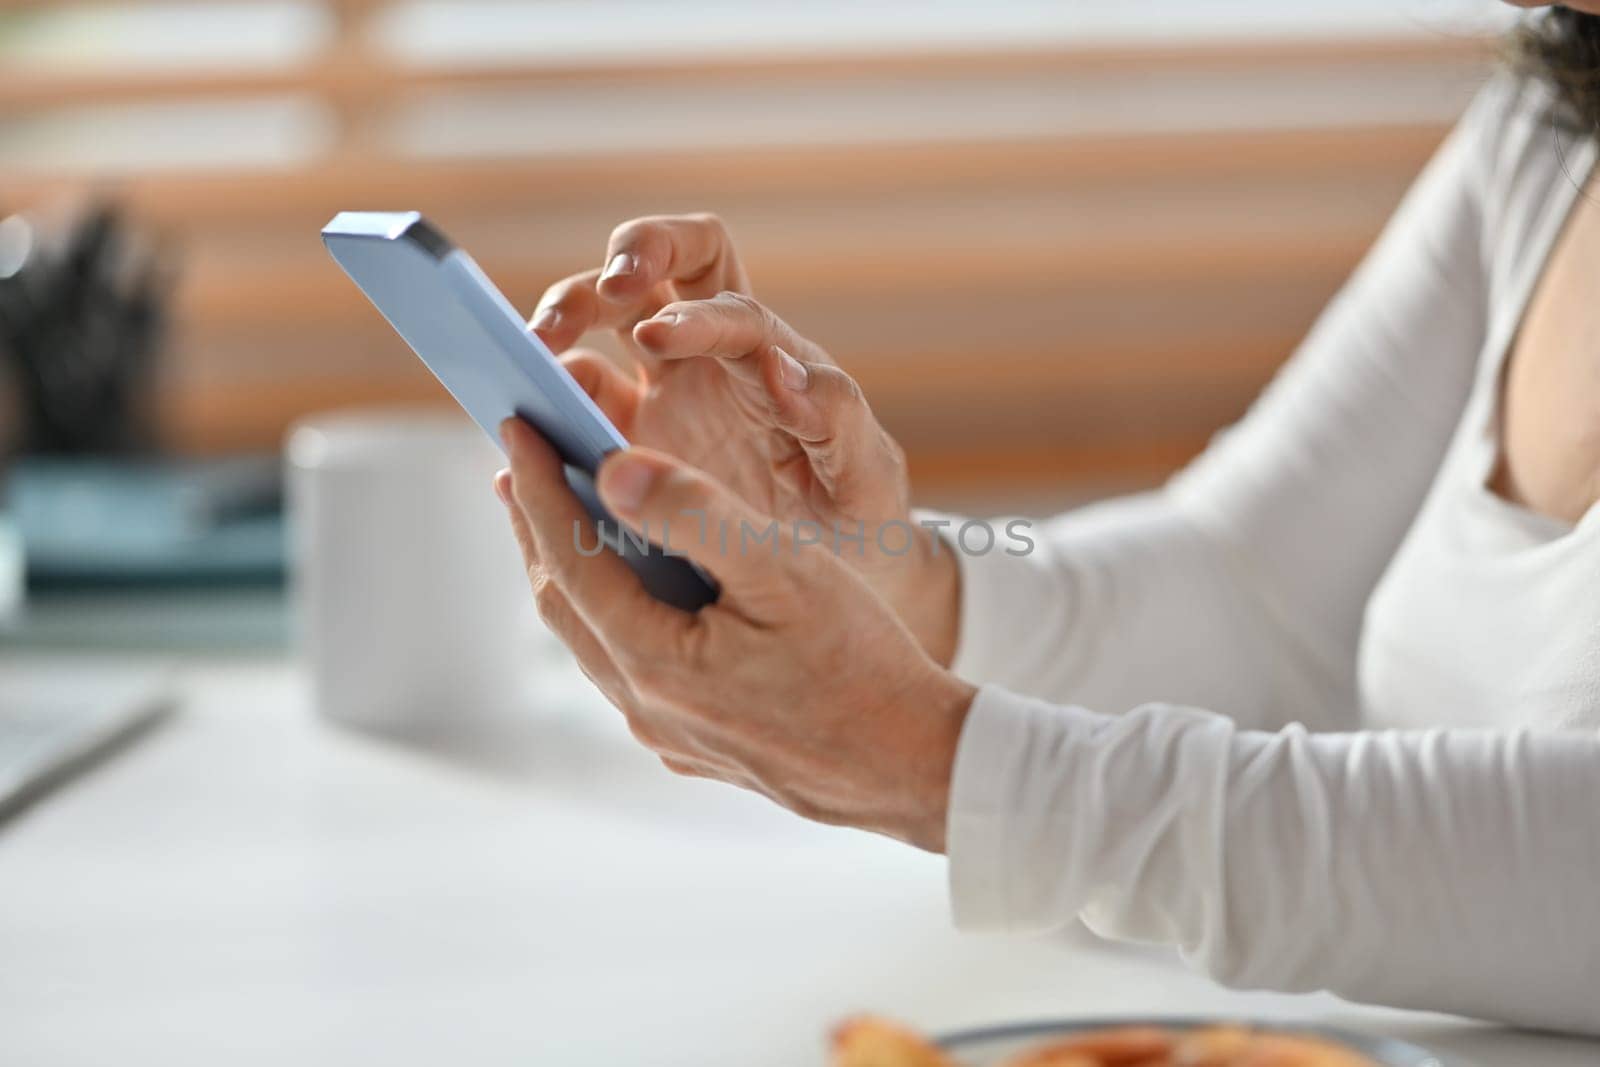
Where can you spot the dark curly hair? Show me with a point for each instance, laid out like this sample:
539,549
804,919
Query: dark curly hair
1562,46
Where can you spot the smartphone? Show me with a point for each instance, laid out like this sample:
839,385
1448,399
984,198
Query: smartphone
475,343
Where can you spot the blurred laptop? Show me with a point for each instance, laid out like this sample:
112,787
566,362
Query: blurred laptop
60,717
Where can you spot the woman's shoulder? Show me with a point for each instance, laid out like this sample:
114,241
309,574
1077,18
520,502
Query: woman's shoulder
1517,133
1509,98
1519,154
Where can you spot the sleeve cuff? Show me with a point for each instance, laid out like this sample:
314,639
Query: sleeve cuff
997,870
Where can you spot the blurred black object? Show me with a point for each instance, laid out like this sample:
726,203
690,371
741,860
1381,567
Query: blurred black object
82,321
83,318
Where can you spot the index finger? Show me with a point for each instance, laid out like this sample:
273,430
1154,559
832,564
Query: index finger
693,253
649,262
568,309
731,327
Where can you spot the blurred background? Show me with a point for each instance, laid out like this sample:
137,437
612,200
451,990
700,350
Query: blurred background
1060,243
1152,200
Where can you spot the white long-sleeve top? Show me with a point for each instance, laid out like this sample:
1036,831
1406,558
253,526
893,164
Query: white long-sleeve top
1393,788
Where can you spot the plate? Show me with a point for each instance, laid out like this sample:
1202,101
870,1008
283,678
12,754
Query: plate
989,1045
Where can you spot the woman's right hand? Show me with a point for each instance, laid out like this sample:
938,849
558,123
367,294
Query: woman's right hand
723,383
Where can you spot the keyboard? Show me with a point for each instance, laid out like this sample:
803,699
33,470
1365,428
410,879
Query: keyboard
58,718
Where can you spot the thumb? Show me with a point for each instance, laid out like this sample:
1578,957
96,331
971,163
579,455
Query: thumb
690,514
826,413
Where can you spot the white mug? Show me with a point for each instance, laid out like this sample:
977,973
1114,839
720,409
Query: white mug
12,573
413,610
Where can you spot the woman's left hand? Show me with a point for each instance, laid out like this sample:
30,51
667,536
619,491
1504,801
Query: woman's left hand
799,683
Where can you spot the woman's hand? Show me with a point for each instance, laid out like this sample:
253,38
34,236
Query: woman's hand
727,386
799,683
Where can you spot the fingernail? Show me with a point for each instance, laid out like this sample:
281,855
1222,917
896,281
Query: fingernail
669,319
546,318
792,371
502,487
627,482
621,263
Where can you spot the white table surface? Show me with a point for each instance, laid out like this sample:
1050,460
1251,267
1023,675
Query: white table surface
249,886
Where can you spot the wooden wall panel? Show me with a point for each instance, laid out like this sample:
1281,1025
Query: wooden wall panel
1073,305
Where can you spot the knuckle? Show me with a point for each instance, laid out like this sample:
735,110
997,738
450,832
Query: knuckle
684,308
746,317
799,805
712,224
549,602
895,451
538,579
681,768
551,611
644,733
850,390
743,305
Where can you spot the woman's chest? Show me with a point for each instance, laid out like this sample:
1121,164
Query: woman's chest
1470,629
1489,614
1550,408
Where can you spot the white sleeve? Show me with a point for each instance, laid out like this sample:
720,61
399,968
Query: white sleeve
1455,871
1242,584
1448,870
